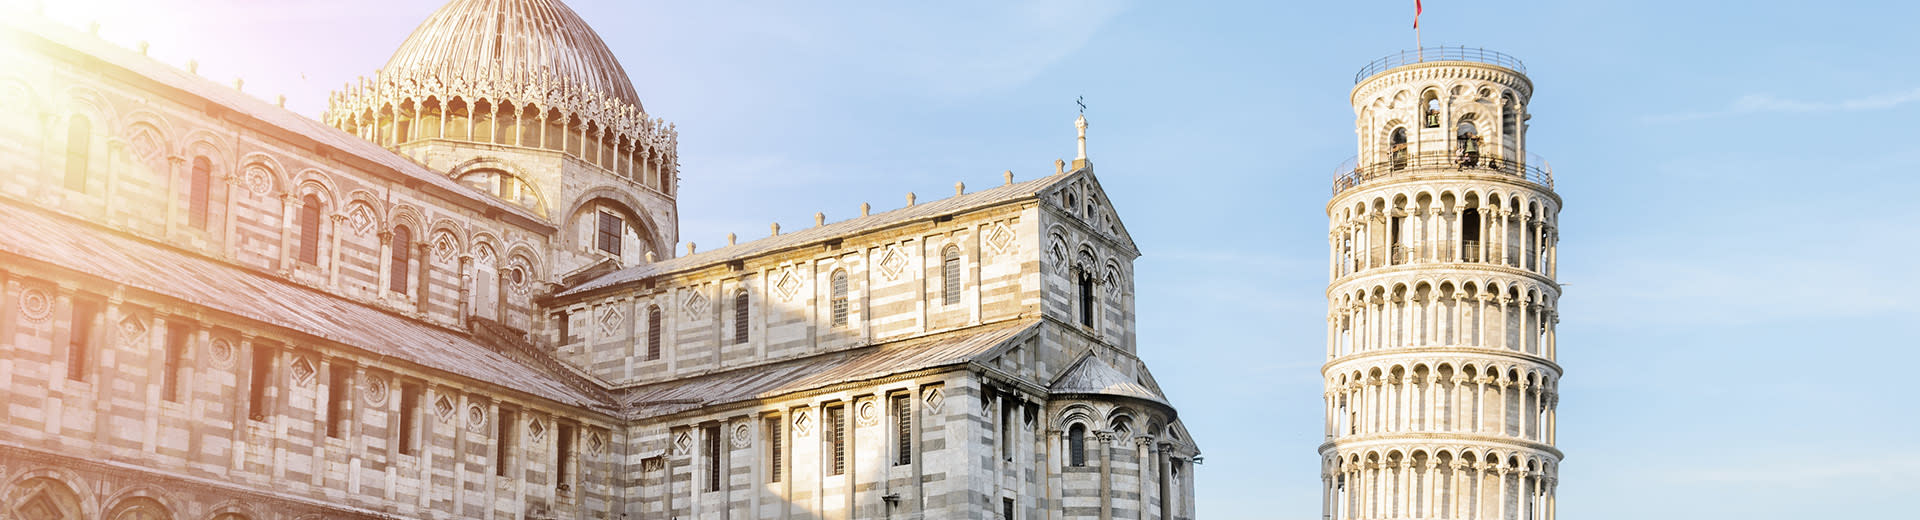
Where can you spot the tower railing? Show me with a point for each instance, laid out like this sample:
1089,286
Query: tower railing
1351,173
1427,54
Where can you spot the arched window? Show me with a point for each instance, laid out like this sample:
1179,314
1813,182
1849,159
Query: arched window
1468,139
46,498
1086,299
839,297
740,316
1430,104
1077,445
1509,116
1397,150
950,276
1470,235
79,150
402,245
140,508
198,184
310,230
653,332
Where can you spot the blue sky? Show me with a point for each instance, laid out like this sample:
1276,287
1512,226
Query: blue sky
1738,243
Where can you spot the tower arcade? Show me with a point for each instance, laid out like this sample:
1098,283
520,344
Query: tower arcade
1441,384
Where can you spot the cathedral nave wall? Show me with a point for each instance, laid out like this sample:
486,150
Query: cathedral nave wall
184,392
895,288
146,144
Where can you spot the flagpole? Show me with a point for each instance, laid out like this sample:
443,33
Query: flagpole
1420,53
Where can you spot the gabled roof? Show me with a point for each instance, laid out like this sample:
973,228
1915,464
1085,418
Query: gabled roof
814,235
227,98
1094,376
70,244
849,366
1119,231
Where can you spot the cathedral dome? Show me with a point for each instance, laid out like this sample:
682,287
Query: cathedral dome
519,42
528,74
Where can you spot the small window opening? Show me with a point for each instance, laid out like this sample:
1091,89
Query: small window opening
1086,299
902,406
339,380
409,419
80,338
839,297
1077,445
310,230
400,258
199,184
79,151
563,459
836,430
950,276
775,445
177,337
711,433
505,437
740,321
653,333
257,382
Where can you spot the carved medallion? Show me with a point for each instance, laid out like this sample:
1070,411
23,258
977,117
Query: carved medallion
222,353
257,180
375,391
36,305
742,437
476,417
866,414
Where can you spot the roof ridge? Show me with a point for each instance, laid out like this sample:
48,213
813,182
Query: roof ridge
822,233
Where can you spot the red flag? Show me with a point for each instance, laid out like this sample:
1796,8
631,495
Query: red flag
1416,13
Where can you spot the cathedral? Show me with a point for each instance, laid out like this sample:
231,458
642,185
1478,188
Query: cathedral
462,293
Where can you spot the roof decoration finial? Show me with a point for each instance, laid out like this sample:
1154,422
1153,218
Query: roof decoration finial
1081,124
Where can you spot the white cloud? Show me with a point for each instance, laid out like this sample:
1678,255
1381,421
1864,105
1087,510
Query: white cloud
1767,103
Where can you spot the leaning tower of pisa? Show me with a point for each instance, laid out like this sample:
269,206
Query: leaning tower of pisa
1440,377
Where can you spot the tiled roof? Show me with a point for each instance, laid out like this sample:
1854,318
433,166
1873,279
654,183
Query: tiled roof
230,99
211,284
1093,376
951,205
859,364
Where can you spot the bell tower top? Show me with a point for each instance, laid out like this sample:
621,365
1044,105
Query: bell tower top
1442,105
